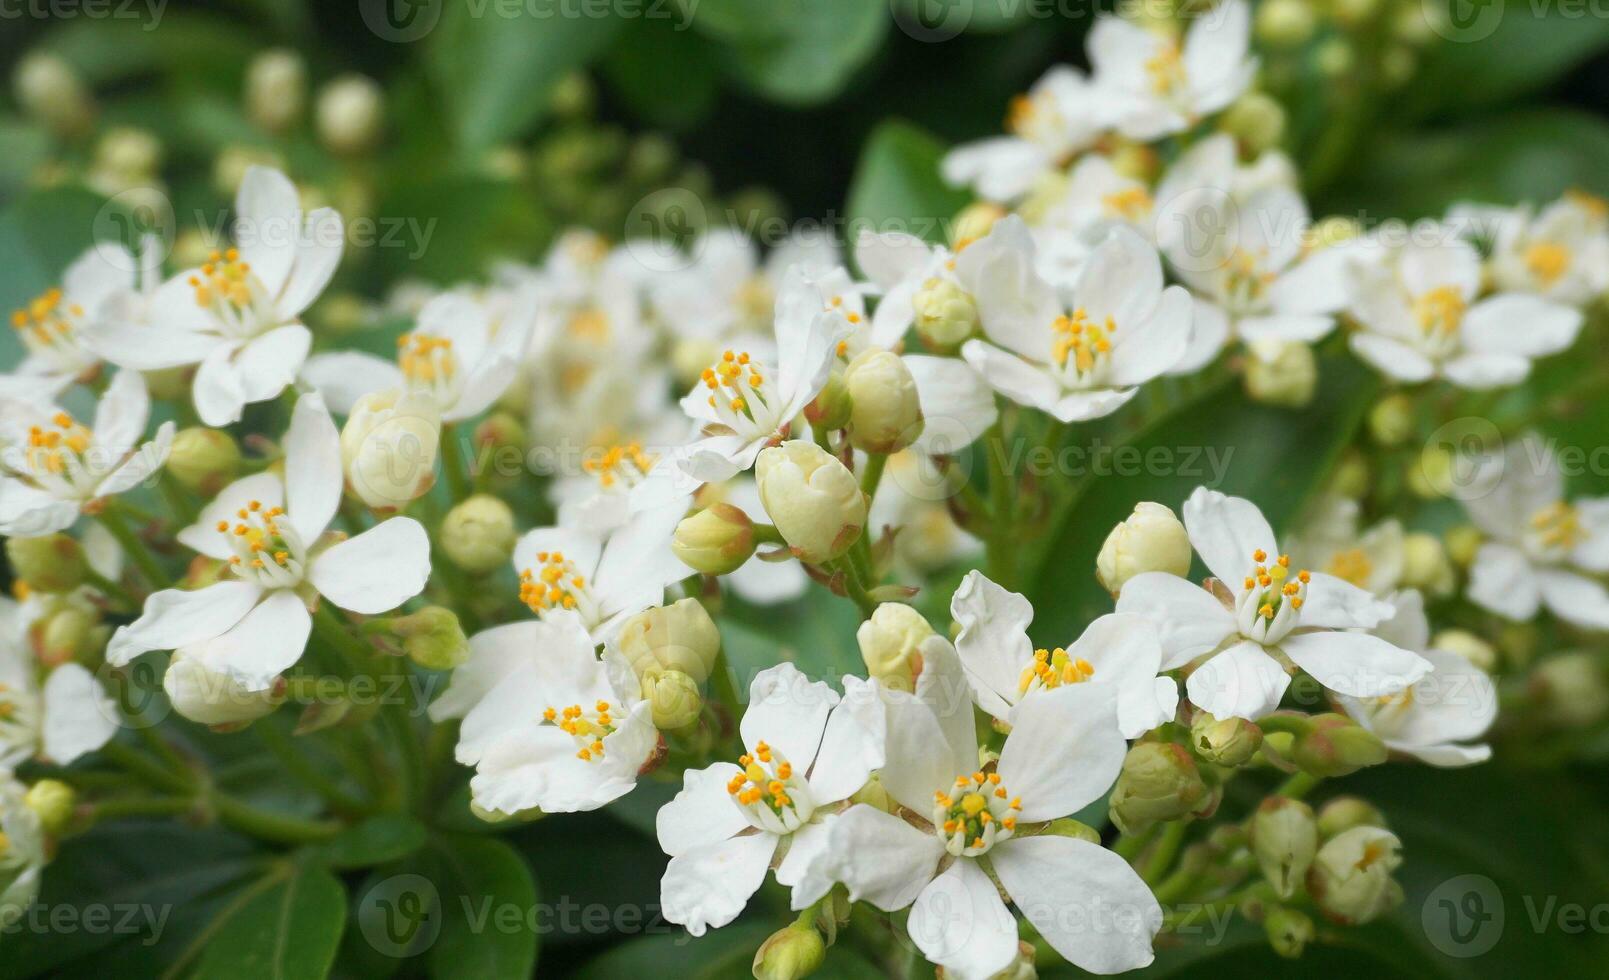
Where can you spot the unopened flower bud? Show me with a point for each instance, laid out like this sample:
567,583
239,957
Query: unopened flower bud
69,633
1334,57
1257,120
1281,372
1335,745
831,408
388,447
790,953
1225,742
1467,645
1353,13
674,697
276,89
349,110
130,153
1351,477
1571,688
1068,827
1463,541
812,498
1391,420
946,314
211,697
477,535
500,430
1351,876
890,642
1150,540
1288,931
974,221
716,540
205,460
679,637
1346,812
1285,24
1159,781
52,801
50,90
1284,838
52,563
431,637
1425,565
884,413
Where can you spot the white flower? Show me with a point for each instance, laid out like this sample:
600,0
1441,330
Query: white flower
1075,361
1096,199
1261,612
1331,542
236,316
1431,718
270,529
1152,86
744,403
1560,253
602,580
1421,319
1542,550
52,466
22,850
901,265
458,354
1118,654
1064,752
1055,119
806,752
546,723
60,719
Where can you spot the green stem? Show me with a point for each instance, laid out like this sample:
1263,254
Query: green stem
139,765
133,546
1167,848
178,499
1002,566
264,824
1129,846
1298,785
452,464
111,589
142,806
875,464
853,586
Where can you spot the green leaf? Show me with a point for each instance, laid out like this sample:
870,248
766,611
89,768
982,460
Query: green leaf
668,76
720,954
495,67
1275,457
897,186
377,840
450,227
286,925
187,44
1530,47
488,903
798,52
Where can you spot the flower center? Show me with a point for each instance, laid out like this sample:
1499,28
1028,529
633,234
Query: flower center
1052,669
18,716
264,550
976,814
741,393
1079,346
48,327
428,362
235,297
1270,599
1439,311
1556,528
1131,204
1388,711
836,306
770,793
1032,116
755,299
588,728
58,450
625,465
1166,70
555,583
1245,280
1353,565
1547,261
591,324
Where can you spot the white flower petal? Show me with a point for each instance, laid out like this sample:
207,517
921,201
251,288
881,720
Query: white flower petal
1064,751
175,618
139,466
218,390
317,253
79,717
1188,619
1575,598
266,642
788,711
28,512
993,643
1338,604
958,406
378,570
703,812
1226,531
960,923
1479,372
270,362
801,868
1087,902
1240,682
313,478
342,377
879,858
1502,580
1392,358
494,655
1356,664
711,884
124,409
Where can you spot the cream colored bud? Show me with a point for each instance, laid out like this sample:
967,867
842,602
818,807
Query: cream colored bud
1225,742
1284,838
1463,541
51,91
1136,160
1351,876
1433,477
1159,781
276,89
885,415
52,801
205,460
716,540
431,637
812,498
791,953
130,153
1467,645
1351,476
1391,420
889,644
1343,813
70,633
974,221
1257,120
477,535
388,447
946,314
211,697
679,637
52,563
1285,23
1425,565
349,111
830,409
1281,372
674,697
1572,690
1151,540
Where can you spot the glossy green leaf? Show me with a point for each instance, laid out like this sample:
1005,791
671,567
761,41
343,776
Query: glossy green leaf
795,51
286,925
720,954
897,186
488,906
666,74
1499,50
377,840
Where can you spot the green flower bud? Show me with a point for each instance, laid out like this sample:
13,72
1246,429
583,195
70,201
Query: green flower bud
276,89
1226,742
1335,745
431,637
205,460
973,222
1150,540
1391,420
1284,838
477,535
69,633
1288,930
52,563
946,314
675,698
1159,781
388,447
1571,688
209,696
790,953
679,637
812,498
573,95
1351,876
349,112
889,644
1425,565
1351,478
1346,812
1285,24
716,540
1334,57
1432,478
1463,541
831,408
1257,120
49,90
52,801
1353,13
884,413
1068,827
1467,645
1281,372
